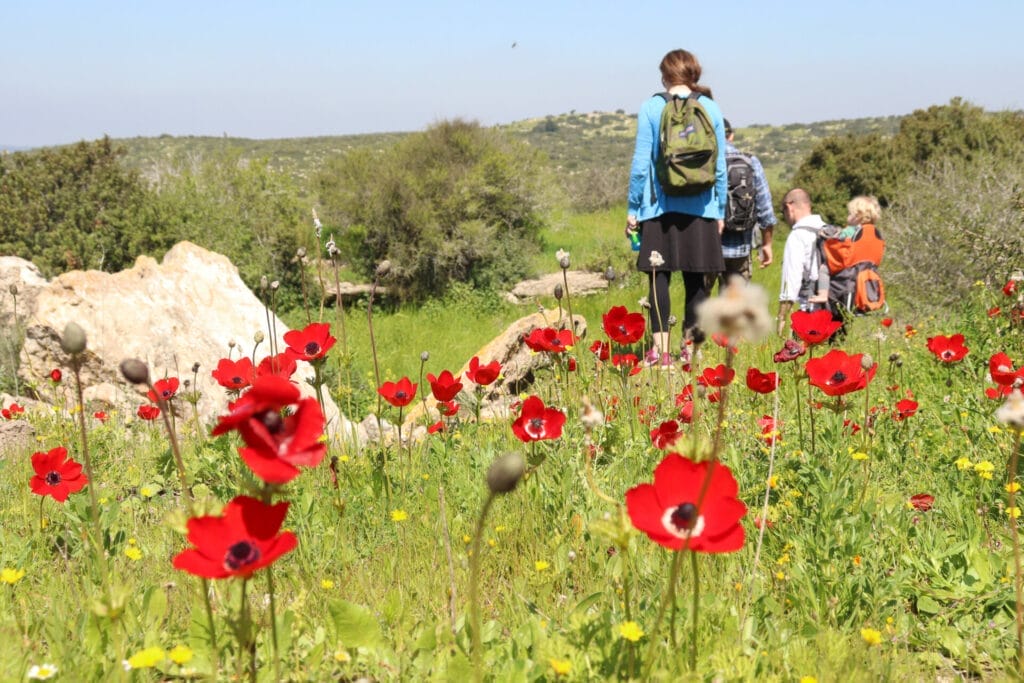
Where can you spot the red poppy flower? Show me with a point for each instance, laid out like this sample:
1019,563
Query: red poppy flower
627,361
436,427
666,434
448,408
536,423
904,409
100,415
235,374
601,349
686,412
483,374
400,393
276,445
713,396
886,322
922,502
948,349
549,339
245,537
570,365
851,426
723,341
56,375
1010,287
148,412
282,365
623,327
1000,367
791,350
685,395
667,509
770,429
837,373
762,382
57,475
10,411
444,387
814,327
718,376
999,393
994,311
163,389
310,343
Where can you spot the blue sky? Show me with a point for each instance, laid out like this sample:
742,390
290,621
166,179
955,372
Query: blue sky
79,69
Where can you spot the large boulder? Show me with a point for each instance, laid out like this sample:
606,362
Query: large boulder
172,315
580,283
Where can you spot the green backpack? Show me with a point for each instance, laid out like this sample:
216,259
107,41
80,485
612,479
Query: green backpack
688,149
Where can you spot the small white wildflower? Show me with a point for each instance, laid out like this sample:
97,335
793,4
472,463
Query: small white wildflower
332,248
41,672
1012,412
741,311
643,302
656,259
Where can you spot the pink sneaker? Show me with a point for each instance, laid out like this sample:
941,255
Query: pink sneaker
651,358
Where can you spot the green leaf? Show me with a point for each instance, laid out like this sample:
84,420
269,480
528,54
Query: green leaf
927,605
355,624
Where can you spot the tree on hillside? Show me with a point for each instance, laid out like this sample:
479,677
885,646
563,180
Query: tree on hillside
456,203
75,207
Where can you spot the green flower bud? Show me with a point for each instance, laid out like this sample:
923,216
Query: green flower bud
73,339
135,371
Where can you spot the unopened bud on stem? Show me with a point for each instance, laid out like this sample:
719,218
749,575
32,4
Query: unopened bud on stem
135,371
73,339
505,472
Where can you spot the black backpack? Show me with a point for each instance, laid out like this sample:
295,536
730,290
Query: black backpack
741,207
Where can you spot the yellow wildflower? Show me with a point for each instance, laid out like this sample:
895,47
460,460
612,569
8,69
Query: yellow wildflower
147,491
995,430
808,679
342,656
871,636
326,584
343,458
561,667
399,515
133,553
146,659
631,631
783,559
540,565
984,469
1013,512
1012,487
180,654
11,576
773,481
964,463
859,455
781,576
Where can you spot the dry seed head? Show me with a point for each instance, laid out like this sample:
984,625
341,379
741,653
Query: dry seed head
135,371
866,361
609,274
13,289
425,356
258,337
73,339
505,472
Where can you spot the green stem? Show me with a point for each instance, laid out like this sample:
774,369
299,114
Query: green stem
1018,576
696,611
670,596
474,590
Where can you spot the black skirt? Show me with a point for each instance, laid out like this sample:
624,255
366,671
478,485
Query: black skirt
687,243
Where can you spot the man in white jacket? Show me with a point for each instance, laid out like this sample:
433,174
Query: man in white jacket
799,258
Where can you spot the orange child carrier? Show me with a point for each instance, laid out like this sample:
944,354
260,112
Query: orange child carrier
853,269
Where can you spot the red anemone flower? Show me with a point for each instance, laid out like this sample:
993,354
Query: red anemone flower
601,349
666,434
1010,287
948,349
310,343
234,374
770,429
444,387
667,510
814,327
10,411
851,426
904,409
400,393
837,373
100,415
627,361
536,422
686,412
163,390
56,375
147,412
993,312
57,475
623,327
791,350
922,502
549,339
718,376
276,444
483,374
999,393
436,427
448,408
1000,367
886,322
762,382
282,365
246,537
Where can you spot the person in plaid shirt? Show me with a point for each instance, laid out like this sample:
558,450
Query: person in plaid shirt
736,244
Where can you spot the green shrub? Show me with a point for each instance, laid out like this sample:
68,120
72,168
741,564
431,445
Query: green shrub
456,203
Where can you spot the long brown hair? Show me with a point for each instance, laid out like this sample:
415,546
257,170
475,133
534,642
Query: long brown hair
680,67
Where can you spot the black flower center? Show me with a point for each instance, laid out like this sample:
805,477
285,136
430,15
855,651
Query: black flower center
53,478
166,394
272,420
838,378
401,395
236,380
312,348
813,333
241,554
685,516
537,424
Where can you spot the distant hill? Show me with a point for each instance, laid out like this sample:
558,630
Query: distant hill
575,142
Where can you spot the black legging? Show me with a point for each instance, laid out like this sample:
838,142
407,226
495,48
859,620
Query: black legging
697,287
